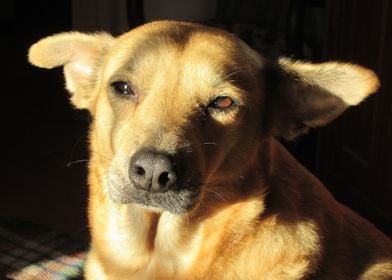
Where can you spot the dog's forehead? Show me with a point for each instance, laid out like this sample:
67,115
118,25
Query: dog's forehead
167,44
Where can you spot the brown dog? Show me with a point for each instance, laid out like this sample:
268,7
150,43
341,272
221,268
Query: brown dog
186,180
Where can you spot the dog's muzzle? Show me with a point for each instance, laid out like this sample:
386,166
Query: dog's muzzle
157,179
153,171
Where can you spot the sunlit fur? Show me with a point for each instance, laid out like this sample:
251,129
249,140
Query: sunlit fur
259,214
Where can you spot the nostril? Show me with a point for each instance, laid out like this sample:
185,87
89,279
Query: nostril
163,178
140,171
152,171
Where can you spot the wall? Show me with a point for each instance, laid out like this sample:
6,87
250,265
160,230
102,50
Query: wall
191,10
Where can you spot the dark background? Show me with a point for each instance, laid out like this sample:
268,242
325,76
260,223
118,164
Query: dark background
40,131
43,166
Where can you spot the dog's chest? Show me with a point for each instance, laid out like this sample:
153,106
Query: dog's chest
163,254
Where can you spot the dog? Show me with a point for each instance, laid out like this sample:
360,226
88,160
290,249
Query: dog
186,179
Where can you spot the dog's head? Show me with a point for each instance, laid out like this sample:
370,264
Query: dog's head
180,110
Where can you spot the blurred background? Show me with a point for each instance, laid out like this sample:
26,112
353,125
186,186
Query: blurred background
43,165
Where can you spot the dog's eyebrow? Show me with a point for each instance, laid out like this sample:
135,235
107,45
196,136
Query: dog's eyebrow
233,75
174,37
229,76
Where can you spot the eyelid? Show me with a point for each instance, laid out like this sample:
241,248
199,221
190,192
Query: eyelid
117,87
223,102
213,104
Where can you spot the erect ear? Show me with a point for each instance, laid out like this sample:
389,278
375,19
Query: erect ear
303,95
80,54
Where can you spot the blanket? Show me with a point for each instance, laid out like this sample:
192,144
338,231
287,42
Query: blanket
28,252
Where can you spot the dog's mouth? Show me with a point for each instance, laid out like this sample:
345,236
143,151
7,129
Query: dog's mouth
157,181
178,199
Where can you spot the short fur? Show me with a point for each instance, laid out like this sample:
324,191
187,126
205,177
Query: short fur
247,209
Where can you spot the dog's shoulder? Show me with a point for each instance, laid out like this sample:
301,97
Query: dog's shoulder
304,213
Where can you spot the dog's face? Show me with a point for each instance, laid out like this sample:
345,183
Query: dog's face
180,110
175,95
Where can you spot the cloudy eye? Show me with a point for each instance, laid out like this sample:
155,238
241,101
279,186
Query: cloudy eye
222,103
122,88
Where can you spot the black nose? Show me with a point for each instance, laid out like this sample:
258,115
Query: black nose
152,171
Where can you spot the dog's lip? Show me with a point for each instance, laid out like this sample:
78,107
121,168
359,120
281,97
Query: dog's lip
117,180
152,199
177,200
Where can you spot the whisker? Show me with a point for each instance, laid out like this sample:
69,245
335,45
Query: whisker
231,74
208,143
77,142
190,149
101,155
217,194
69,164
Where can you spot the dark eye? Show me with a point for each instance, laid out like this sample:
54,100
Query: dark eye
222,103
122,88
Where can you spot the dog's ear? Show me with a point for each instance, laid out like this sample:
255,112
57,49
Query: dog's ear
303,95
80,54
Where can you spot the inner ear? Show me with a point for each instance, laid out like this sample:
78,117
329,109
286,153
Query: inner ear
81,56
293,109
80,76
300,96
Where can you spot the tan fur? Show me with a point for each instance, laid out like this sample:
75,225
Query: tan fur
260,214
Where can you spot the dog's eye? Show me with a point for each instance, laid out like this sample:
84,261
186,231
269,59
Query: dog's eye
122,88
222,103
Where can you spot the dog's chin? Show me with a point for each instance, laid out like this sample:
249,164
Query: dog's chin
176,201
